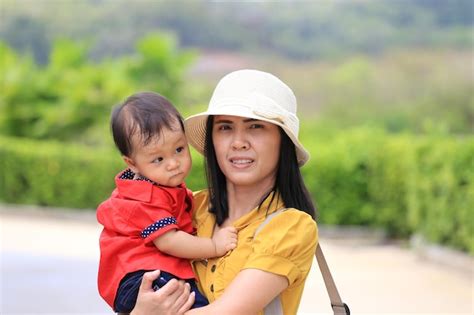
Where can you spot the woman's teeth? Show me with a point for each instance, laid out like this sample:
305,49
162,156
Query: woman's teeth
241,161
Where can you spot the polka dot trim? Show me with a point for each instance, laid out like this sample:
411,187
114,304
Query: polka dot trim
129,174
158,225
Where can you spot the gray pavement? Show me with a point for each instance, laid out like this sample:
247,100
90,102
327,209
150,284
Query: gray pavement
49,266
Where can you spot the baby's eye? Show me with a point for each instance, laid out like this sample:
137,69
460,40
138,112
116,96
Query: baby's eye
179,150
158,160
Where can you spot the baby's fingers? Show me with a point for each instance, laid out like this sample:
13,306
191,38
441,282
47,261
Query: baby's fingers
231,229
232,239
231,245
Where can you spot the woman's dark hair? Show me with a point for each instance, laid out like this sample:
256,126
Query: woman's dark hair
144,112
289,182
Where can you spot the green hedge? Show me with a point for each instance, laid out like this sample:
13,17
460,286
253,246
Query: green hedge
404,184
51,173
54,174
444,212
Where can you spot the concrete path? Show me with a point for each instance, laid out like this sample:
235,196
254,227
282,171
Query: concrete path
49,264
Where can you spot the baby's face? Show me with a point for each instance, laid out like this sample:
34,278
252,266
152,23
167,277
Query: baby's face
165,159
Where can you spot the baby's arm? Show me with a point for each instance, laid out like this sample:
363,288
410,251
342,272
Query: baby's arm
181,244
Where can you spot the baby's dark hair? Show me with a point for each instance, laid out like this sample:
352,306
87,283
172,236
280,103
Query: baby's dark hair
144,112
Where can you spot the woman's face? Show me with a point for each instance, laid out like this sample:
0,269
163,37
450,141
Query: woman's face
247,150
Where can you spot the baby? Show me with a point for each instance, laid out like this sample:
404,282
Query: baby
147,219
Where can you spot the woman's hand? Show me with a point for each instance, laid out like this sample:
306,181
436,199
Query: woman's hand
173,298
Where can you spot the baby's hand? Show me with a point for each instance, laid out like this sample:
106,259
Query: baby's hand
224,240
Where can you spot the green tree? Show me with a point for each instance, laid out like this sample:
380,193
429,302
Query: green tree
70,98
159,65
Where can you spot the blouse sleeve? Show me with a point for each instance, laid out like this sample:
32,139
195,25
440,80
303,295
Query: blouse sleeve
285,246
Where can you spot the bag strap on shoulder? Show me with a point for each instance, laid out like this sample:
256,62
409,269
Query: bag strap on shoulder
338,307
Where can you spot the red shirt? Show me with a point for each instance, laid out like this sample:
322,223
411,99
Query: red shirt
136,213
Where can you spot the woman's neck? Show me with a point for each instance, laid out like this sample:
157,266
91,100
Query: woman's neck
242,200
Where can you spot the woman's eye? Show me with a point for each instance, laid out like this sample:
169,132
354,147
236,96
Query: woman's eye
256,126
223,127
179,150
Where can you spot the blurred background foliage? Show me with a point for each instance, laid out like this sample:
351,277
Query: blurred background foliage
70,97
295,29
384,91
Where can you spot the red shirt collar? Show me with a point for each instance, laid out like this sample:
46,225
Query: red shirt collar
141,190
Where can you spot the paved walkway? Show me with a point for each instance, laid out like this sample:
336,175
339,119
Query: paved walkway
49,262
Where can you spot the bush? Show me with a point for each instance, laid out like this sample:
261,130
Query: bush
337,174
391,182
404,184
55,174
445,192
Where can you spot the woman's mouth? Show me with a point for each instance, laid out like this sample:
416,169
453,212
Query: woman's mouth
241,162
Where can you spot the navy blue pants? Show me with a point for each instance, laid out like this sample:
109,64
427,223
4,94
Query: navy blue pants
128,290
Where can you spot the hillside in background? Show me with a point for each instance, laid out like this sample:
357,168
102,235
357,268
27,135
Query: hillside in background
417,91
399,64
300,30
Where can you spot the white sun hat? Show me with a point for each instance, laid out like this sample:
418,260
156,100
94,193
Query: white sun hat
251,94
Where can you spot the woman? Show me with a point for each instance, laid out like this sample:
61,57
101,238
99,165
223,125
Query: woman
249,137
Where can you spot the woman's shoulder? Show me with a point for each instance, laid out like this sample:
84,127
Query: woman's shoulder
298,217
201,205
292,221
289,241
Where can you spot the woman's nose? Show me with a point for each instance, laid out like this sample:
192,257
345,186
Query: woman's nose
239,142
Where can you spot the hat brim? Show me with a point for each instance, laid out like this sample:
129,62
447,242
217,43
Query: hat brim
195,127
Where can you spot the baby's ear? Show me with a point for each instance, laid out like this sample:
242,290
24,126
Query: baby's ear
130,163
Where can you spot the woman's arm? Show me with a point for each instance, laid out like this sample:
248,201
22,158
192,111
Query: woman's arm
181,244
248,293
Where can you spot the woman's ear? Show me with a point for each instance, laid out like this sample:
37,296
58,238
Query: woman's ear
130,163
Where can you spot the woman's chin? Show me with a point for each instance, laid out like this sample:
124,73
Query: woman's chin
242,180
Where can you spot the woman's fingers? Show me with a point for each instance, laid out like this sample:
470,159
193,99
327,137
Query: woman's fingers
183,298
179,289
171,288
147,280
150,301
172,298
187,305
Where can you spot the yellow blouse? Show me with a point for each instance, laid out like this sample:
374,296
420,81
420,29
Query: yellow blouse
285,246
